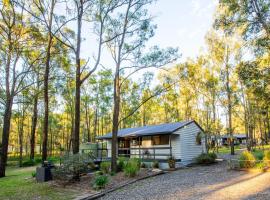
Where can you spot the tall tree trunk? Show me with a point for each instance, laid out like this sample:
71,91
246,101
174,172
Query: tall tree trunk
5,137
33,128
76,134
229,99
20,124
87,122
46,86
116,109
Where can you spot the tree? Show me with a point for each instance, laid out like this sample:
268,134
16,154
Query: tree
14,71
131,28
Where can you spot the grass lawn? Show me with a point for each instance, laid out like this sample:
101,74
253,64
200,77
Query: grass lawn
227,149
19,184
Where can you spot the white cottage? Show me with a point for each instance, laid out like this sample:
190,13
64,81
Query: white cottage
182,140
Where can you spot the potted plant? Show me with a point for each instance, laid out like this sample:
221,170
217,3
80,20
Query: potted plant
171,162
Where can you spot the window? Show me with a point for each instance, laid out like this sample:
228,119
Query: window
136,141
160,139
199,138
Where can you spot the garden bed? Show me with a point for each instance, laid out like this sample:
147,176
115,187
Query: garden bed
85,185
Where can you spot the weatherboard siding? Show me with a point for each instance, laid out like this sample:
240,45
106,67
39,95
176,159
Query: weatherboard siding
188,147
109,147
176,144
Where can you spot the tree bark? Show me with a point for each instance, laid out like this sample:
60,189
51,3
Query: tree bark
116,109
76,134
46,86
33,128
5,137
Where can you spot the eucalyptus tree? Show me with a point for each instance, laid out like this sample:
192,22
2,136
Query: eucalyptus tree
131,27
251,17
14,39
96,13
226,53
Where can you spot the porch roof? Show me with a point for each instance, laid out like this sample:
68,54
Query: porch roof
150,130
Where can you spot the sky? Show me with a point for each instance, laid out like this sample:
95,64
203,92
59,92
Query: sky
183,24
180,23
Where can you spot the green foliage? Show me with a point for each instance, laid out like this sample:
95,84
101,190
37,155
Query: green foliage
121,162
105,167
73,165
258,154
205,158
213,155
155,164
34,174
28,163
98,173
266,158
171,162
143,165
132,167
247,160
100,181
112,173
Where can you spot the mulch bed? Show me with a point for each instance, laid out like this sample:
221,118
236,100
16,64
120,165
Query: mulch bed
84,186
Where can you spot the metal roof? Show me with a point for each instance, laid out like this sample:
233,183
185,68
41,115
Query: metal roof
235,136
160,129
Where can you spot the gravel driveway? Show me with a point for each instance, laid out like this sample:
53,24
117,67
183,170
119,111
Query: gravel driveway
205,182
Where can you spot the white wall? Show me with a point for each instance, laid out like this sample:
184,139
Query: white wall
109,147
188,148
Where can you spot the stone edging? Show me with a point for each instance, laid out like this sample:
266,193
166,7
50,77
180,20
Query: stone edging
100,194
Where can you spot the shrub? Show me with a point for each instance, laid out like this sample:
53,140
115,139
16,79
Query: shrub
213,155
28,163
155,164
258,154
73,166
171,162
121,162
105,167
266,158
205,158
143,165
132,167
112,173
98,173
246,160
101,181
38,160
34,174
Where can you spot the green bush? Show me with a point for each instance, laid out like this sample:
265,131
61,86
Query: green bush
143,165
266,158
105,167
34,174
205,158
258,154
155,164
100,181
73,166
28,163
38,160
213,155
247,160
171,162
98,173
132,167
121,162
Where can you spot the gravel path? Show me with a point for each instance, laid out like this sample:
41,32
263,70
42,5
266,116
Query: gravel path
205,182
